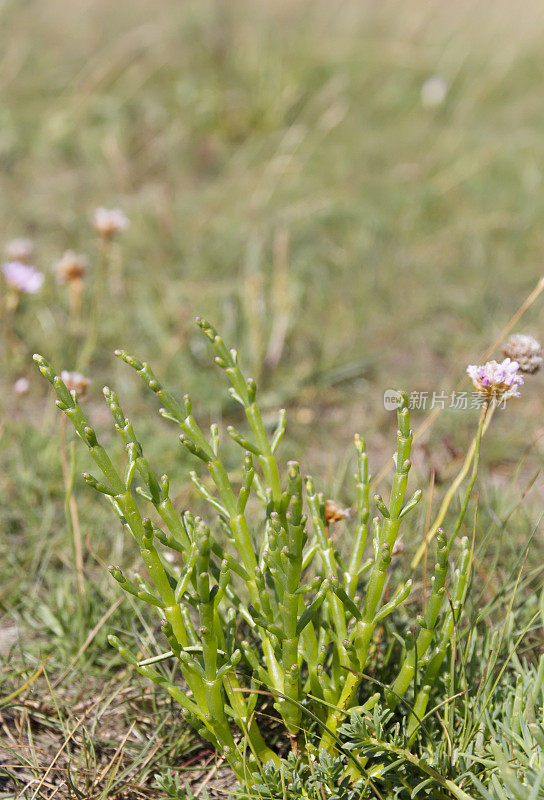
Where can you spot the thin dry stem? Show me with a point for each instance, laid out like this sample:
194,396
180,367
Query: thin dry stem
73,510
76,292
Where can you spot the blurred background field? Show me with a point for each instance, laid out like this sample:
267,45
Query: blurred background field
283,177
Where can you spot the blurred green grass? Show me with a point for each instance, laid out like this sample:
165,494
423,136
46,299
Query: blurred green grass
220,127
215,124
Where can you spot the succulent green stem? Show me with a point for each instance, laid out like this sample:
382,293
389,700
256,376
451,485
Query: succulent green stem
438,655
362,633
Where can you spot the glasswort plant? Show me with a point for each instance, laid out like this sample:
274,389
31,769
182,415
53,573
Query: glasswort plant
269,606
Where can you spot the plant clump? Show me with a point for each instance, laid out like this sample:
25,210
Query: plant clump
263,603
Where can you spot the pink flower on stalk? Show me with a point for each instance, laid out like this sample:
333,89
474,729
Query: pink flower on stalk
20,249
71,267
496,381
22,277
109,221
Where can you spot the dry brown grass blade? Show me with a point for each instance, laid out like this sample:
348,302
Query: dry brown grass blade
206,780
63,747
29,682
118,753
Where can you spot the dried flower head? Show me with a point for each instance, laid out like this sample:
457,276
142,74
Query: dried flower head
496,381
75,382
109,221
334,513
20,249
526,350
71,267
21,386
22,277
433,92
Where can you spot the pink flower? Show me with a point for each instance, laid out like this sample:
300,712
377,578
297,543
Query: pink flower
71,267
22,277
20,249
496,381
109,221
21,386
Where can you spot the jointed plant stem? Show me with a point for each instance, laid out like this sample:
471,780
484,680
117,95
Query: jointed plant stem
283,604
362,633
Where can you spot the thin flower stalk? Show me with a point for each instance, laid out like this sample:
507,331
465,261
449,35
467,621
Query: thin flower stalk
416,655
71,270
103,264
485,419
19,279
77,385
71,509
